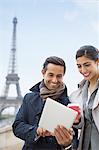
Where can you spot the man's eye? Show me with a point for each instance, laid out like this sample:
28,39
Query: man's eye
79,66
59,76
50,75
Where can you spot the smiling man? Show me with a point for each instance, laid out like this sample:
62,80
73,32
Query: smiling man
25,125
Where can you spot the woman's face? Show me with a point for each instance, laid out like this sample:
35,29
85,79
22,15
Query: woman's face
87,67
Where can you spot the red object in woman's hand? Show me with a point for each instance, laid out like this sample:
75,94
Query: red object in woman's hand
75,107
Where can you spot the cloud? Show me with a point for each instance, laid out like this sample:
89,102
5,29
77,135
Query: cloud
61,1
70,16
95,26
87,4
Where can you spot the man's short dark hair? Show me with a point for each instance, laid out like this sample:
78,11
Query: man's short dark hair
54,60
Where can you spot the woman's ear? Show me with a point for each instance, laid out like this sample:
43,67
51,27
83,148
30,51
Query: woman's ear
98,62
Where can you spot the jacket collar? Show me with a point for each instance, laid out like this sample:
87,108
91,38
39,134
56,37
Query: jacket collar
36,101
35,88
82,83
96,100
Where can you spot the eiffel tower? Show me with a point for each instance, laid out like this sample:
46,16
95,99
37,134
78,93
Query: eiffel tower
12,77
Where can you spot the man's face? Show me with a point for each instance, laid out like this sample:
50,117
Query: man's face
53,76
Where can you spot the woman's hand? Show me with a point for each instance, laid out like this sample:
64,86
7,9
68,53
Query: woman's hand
77,108
78,118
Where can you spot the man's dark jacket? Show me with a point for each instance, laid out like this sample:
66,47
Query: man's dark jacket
27,118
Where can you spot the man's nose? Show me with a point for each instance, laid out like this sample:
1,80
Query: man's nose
54,79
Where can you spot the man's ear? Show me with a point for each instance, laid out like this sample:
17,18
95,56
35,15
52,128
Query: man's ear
43,71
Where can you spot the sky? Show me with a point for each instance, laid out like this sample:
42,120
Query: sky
46,28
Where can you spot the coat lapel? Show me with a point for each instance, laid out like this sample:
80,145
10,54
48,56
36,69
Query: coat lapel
85,94
96,100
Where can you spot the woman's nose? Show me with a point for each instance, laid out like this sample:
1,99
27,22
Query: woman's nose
83,69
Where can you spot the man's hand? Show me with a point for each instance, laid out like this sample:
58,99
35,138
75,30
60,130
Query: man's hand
42,132
63,136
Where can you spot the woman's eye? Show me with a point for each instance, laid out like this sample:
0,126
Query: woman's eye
87,65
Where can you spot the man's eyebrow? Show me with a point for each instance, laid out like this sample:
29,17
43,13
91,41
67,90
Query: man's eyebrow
50,72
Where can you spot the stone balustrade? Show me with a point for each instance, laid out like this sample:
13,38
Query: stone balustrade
8,141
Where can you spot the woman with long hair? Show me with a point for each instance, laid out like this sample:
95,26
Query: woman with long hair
87,58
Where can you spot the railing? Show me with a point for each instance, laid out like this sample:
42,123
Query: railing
7,139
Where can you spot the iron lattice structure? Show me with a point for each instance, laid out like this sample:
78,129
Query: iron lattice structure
12,77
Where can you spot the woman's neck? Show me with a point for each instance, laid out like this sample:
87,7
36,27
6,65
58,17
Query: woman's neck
93,83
